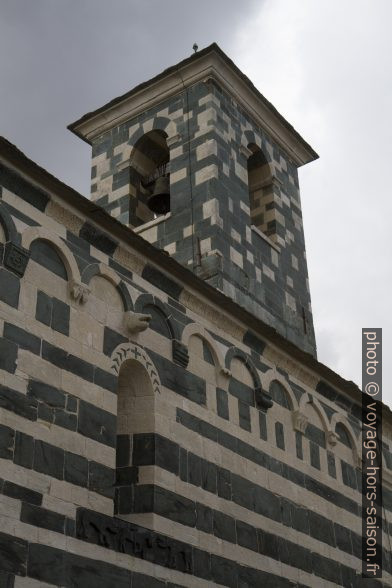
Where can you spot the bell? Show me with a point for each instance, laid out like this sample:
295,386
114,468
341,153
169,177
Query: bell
159,201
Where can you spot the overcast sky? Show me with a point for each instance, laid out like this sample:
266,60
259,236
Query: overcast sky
325,65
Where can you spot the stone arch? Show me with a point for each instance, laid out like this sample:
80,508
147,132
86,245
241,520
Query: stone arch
165,124
273,375
263,401
195,329
138,384
301,419
149,163
309,399
244,357
339,419
159,123
99,269
155,133
31,234
145,300
250,137
261,189
126,351
149,157
8,225
102,270
321,413
135,400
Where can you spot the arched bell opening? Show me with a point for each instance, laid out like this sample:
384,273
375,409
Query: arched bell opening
150,177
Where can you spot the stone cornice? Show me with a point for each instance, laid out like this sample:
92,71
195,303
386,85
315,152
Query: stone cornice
213,63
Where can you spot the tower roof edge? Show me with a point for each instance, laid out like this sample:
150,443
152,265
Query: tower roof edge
210,62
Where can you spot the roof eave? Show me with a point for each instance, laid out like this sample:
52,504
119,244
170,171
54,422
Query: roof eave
210,62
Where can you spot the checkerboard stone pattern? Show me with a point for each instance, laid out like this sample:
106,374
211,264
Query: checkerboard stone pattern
211,229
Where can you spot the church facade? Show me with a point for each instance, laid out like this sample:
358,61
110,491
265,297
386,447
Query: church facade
164,420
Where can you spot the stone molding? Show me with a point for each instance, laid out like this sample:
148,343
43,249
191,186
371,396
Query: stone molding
289,365
212,64
16,258
195,304
129,260
126,351
64,217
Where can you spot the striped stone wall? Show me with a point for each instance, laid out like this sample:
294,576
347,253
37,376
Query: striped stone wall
259,261
184,451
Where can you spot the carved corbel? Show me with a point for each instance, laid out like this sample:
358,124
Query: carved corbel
136,322
300,421
225,372
332,438
263,400
79,291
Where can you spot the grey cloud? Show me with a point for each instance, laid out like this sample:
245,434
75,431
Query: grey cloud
62,59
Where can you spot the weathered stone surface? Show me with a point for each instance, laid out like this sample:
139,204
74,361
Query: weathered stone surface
20,493
13,555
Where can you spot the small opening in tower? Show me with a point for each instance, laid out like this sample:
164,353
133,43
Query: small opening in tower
261,192
150,178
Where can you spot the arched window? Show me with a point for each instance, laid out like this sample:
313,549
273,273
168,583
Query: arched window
135,427
261,191
149,178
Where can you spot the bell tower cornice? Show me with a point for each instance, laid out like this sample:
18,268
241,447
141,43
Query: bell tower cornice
210,63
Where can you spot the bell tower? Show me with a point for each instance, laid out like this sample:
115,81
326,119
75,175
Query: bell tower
200,164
